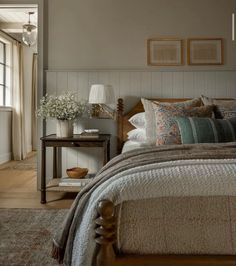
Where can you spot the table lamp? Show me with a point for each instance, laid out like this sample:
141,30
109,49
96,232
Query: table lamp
100,96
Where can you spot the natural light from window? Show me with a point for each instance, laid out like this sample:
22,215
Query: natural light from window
5,91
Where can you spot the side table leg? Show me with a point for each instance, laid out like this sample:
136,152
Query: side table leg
43,174
105,152
55,161
108,150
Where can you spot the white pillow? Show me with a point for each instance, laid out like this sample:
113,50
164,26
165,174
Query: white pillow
137,135
138,120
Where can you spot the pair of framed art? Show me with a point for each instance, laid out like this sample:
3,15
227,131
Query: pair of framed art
170,51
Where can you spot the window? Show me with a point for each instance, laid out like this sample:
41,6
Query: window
2,73
5,71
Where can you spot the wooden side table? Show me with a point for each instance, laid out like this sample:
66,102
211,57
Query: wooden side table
57,143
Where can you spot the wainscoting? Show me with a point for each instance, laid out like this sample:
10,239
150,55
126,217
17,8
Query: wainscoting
131,85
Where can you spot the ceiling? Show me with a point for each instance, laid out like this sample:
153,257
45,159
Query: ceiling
13,17
17,15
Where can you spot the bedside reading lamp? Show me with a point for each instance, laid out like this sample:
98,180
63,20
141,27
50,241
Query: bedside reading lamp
100,95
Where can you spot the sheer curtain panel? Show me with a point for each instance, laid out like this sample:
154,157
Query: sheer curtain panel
18,127
34,101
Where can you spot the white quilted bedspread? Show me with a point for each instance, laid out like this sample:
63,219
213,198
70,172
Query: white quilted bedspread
169,179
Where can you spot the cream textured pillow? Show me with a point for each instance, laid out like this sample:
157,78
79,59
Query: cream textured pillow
223,108
151,131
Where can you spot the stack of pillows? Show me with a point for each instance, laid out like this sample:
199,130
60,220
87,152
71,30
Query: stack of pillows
200,120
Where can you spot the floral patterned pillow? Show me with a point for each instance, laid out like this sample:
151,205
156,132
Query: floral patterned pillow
150,124
166,126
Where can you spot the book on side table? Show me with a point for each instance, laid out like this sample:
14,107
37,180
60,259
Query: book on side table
90,134
70,182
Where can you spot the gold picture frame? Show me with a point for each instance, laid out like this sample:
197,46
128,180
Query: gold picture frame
165,52
205,51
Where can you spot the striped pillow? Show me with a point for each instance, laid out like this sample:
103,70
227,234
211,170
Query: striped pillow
206,130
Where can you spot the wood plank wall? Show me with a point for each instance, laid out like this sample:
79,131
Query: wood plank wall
131,85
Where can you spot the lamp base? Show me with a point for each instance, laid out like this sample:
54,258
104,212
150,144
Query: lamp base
103,111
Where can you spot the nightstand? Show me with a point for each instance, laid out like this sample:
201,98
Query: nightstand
57,143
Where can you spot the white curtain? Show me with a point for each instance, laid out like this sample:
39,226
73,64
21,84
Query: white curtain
18,127
34,101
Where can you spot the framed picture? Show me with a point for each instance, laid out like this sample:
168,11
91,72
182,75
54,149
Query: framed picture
205,51
164,52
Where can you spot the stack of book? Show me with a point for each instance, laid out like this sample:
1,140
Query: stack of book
90,134
70,182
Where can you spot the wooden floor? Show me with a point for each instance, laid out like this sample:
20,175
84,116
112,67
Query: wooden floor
18,187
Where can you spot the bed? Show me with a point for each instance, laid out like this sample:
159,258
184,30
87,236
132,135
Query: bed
177,207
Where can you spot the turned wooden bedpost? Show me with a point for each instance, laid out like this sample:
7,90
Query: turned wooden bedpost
120,111
105,233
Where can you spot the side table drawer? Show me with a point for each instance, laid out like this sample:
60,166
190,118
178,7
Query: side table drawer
74,144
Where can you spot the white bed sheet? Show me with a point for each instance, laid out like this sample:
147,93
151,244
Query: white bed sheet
130,145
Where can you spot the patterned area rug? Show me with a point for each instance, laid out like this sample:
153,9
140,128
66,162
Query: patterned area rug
28,164
26,236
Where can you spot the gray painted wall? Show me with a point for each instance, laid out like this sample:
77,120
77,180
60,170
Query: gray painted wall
112,34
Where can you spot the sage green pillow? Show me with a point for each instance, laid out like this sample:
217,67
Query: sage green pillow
206,130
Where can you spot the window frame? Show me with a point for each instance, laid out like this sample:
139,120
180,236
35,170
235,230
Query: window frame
4,64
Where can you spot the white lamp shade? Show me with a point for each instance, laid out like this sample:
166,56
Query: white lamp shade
101,94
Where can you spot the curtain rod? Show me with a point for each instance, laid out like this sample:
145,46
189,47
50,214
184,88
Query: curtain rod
10,36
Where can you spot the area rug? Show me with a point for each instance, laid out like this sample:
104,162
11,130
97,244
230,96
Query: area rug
26,235
28,164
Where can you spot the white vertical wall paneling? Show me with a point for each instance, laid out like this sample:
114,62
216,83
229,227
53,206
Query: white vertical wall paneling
51,83
167,84
72,158
131,85
62,82
73,82
114,80
134,88
221,84
125,86
83,85
156,85
103,77
198,84
93,78
188,84
178,85
146,84
210,83
231,80
83,92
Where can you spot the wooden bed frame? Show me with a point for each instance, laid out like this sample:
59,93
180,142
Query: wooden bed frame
106,236
106,222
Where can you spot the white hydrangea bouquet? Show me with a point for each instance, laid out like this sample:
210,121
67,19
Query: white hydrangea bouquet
65,108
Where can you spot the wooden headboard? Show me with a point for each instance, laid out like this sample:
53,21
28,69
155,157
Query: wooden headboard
123,124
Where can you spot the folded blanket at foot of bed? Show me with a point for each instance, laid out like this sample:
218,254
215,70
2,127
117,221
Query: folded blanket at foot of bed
166,171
